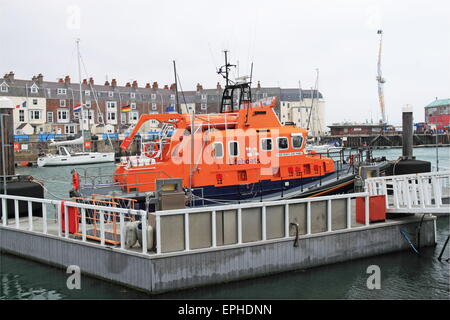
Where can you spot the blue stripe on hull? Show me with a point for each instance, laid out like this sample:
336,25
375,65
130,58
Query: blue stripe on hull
248,191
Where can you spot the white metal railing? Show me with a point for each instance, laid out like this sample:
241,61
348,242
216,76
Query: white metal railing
62,217
411,193
263,205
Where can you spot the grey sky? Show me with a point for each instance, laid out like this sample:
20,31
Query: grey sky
286,40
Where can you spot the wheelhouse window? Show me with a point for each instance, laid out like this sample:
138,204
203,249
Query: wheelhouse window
233,148
218,150
282,143
266,144
297,142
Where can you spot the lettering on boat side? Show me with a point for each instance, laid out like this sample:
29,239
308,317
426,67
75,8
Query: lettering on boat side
226,309
74,280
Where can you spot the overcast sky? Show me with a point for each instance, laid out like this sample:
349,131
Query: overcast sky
286,40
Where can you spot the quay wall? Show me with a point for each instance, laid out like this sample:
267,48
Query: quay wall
178,270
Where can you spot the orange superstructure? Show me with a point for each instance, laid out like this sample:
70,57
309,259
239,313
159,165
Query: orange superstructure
229,149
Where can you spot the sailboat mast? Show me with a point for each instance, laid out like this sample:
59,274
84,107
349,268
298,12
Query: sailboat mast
81,95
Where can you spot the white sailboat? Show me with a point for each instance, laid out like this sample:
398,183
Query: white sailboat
64,154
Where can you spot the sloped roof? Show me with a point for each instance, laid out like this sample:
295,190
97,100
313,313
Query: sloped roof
439,102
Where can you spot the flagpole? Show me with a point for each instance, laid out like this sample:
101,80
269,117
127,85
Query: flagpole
81,95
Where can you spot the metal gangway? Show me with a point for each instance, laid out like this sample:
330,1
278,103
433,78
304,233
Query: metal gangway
413,193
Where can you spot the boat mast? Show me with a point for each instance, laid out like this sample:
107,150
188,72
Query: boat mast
81,95
381,80
177,107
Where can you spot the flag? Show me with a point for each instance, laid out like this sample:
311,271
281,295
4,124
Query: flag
24,104
77,108
126,108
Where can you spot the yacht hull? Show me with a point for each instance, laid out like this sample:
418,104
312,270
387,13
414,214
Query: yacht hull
76,159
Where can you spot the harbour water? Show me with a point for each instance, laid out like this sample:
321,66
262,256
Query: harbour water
404,275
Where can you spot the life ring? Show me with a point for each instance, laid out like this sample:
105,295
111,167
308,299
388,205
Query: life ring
151,150
75,181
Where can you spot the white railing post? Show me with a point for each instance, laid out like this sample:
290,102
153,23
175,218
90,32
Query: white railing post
83,224
213,229
30,216
144,231
4,213
239,226
308,217
385,192
16,213
396,191
59,219
263,224
408,192
421,192
66,221
158,233
436,192
286,220
367,208
102,227
186,232
329,222
122,230
349,213
44,218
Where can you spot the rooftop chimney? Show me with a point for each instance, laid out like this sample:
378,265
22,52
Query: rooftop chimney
67,80
61,80
258,85
166,87
84,82
135,84
106,83
128,85
113,83
91,81
219,87
10,76
173,86
40,78
155,85
199,87
147,85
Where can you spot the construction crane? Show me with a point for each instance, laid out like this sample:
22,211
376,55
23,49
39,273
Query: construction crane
381,80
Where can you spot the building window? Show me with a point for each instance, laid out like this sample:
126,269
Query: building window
87,93
266,144
35,102
134,116
153,96
21,115
110,94
123,118
35,115
88,104
233,148
49,92
282,143
154,107
111,105
203,96
62,91
69,129
111,116
34,89
4,87
203,106
76,115
62,103
49,117
132,95
265,95
100,117
297,142
172,97
218,149
63,115
133,105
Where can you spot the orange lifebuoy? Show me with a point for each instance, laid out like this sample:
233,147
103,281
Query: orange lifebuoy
75,181
151,150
